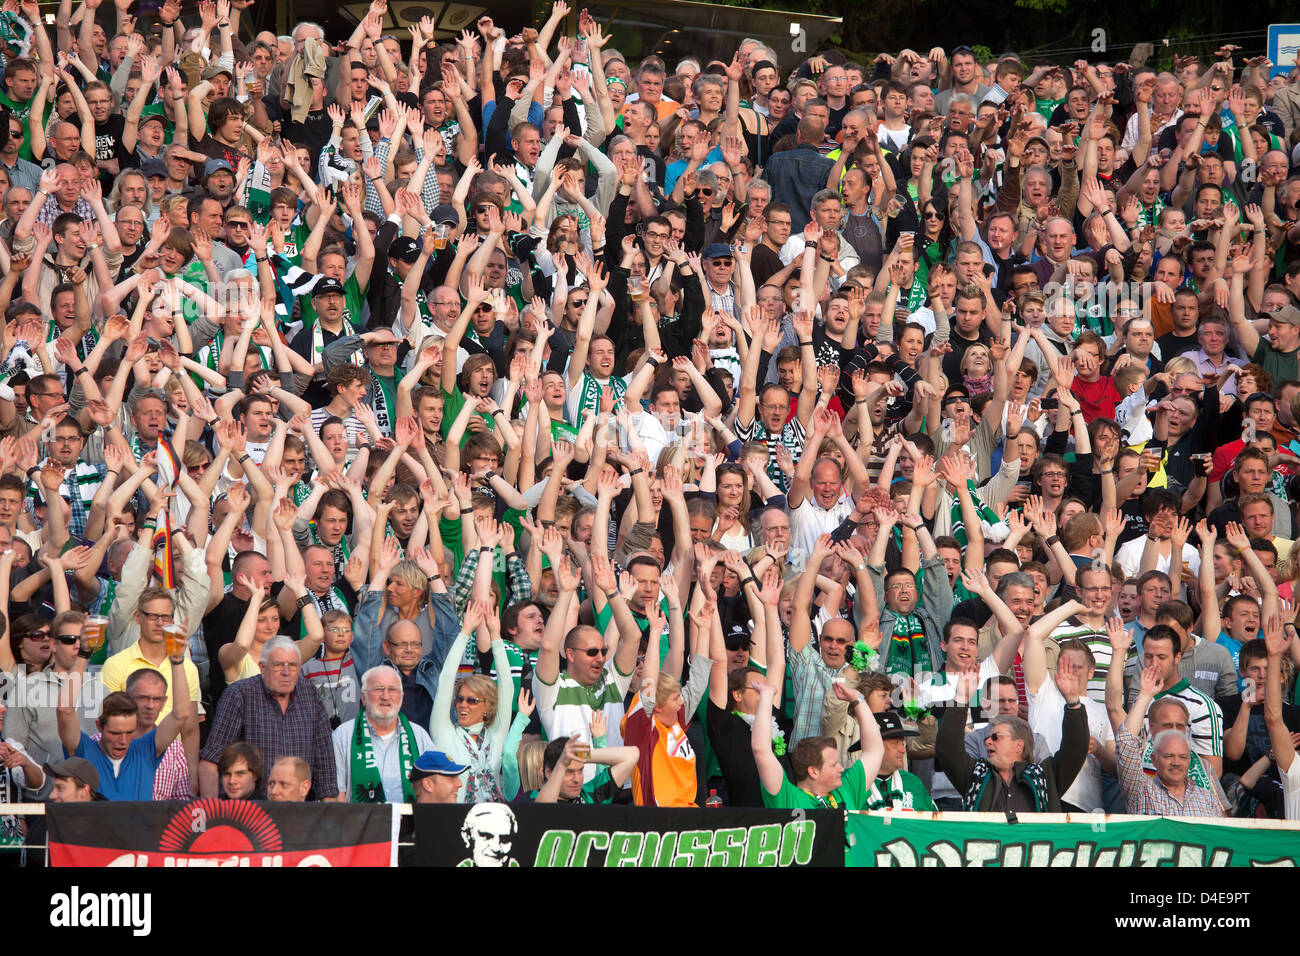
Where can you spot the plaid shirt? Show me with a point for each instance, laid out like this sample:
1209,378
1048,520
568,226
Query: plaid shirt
80,482
516,575
1147,795
171,781
248,712
812,679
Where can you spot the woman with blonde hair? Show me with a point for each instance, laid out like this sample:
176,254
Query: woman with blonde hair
477,739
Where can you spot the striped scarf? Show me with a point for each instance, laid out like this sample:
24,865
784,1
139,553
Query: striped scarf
1032,775
909,652
987,515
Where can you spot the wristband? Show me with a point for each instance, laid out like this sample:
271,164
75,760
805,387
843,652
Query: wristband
636,471
499,411
802,344
1054,539
467,511
487,548
435,577
262,258
81,371
610,595
750,580
827,258
149,525
242,458
34,468
303,601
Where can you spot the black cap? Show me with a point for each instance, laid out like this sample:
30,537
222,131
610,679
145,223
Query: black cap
404,249
327,286
892,726
444,213
153,167
737,637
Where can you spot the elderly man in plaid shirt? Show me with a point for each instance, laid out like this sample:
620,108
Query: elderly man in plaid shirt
1170,793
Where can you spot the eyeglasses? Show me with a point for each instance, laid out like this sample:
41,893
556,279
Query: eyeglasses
338,630
156,618
466,699
835,640
592,651
283,666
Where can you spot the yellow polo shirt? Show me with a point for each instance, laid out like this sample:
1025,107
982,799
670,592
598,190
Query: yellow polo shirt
125,663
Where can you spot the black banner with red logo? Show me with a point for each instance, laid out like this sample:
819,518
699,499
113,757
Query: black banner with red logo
215,832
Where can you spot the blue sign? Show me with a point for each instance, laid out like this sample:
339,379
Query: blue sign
1283,45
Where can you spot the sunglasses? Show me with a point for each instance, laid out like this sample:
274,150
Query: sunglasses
932,215
722,261
706,190
69,639
472,701
592,651
37,636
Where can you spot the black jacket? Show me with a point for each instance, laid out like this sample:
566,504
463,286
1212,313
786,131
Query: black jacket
1059,770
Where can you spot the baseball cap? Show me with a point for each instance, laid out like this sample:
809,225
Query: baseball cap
1286,313
216,69
404,249
434,763
158,118
216,166
717,250
153,167
79,769
327,286
892,726
444,213
737,637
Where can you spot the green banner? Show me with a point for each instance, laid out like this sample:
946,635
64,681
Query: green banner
979,839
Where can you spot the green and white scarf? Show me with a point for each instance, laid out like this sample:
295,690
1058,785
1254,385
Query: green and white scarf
986,514
592,390
1032,775
367,786
890,793
318,343
85,345
778,735
909,652
385,402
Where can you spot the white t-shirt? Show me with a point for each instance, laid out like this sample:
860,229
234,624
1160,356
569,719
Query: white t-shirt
810,520
1129,557
1291,785
1046,711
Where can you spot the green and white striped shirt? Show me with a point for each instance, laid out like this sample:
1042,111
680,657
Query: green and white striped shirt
1098,642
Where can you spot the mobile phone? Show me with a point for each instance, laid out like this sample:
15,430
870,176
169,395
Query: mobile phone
1049,404
844,530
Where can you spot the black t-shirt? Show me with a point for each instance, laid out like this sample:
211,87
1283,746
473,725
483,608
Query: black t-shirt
219,628
729,735
1257,740
108,143
1171,344
658,168
952,361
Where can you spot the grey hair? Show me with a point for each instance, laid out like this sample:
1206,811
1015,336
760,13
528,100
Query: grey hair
1156,705
707,79
962,98
1020,728
278,643
689,59
1014,579
1166,734
115,197
759,185
705,177
374,672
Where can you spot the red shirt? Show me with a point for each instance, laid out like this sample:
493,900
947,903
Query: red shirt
1098,399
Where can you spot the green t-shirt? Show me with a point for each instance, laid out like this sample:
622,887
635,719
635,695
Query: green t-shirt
851,794
354,302
452,403
156,109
